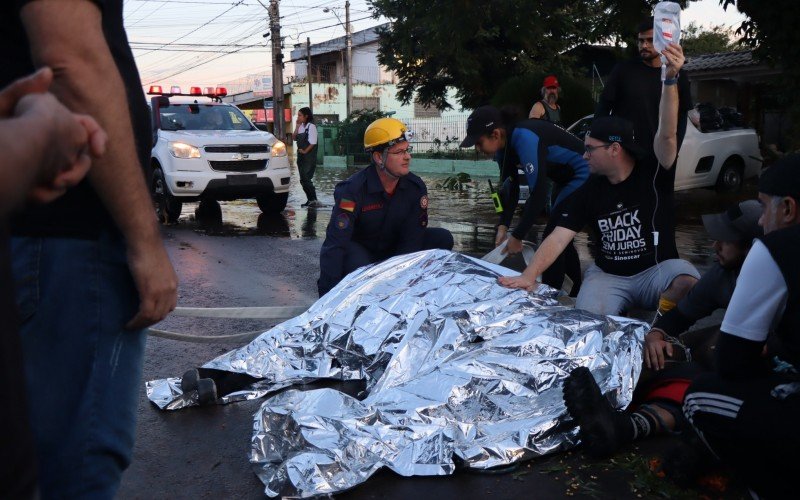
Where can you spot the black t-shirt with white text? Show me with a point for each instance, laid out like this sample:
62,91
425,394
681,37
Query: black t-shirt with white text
622,217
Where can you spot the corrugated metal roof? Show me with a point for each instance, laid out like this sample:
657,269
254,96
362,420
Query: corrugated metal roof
362,37
721,60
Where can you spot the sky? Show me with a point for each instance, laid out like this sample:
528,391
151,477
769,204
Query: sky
208,42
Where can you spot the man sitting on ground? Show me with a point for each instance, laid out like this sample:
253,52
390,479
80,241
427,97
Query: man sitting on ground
660,393
747,412
733,233
637,264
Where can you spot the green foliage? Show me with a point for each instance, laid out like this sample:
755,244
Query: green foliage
771,29
477,45
522,91
350,140
696,40
442,148
456,182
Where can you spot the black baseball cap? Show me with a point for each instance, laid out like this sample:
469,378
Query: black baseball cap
615,129
481,122
738,223
782,178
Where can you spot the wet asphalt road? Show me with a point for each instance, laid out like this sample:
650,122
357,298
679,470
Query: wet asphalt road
256,260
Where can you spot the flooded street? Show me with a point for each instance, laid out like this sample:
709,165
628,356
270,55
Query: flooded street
250,259
468,214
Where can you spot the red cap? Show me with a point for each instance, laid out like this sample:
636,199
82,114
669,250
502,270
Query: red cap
550,81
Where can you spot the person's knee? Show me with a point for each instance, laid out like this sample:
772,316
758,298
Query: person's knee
680,286
356,256
437,238
599,302
704,393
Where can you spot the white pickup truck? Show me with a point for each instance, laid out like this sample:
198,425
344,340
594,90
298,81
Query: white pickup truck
204,149
721,159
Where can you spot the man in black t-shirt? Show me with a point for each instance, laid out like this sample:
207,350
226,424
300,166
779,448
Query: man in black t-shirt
633,92
637,265
90,269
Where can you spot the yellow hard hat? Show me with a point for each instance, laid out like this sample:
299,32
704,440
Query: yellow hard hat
384,132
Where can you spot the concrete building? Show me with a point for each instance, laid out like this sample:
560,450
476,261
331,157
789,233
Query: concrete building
374,87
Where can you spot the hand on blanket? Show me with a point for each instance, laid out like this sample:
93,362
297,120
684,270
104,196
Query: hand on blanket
520,281
655,349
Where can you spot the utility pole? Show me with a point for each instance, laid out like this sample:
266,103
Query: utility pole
308,73
277,69
349,44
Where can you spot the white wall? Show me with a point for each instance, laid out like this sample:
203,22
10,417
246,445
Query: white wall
329,99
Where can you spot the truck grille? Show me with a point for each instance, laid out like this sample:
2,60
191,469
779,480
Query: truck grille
239,166
242,148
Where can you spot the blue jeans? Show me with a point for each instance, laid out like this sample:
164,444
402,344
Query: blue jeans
82,367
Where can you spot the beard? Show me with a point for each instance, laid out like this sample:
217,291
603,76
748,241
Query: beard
551,98
648,55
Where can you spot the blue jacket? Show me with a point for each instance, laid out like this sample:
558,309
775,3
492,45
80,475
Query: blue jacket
541,149
364,213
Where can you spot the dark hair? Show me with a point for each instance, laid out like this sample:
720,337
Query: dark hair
511,114
308,114
645,25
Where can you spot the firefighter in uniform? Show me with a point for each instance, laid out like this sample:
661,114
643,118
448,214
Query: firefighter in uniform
379,212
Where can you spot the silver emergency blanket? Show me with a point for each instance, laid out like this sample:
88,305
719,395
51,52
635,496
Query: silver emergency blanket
458,370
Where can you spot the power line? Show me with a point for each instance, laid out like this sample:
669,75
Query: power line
197,65
211,51
201,26
191,44
170,59
333,25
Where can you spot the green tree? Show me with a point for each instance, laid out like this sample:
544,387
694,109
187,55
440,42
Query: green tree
350,139
696,40
476,45
771,30
522,91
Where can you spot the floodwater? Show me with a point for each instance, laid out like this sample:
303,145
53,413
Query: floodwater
468,213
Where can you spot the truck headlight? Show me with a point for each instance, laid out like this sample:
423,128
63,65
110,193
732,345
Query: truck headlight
183,150
278,149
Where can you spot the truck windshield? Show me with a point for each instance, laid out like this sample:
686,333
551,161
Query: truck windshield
202,117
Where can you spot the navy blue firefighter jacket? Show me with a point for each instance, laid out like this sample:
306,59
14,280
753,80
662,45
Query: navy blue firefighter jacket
364,213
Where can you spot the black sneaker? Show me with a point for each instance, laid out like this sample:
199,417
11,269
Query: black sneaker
189,380
206,391
307,203
601,426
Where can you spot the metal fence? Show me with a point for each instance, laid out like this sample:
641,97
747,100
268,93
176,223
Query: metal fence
431,138
439,137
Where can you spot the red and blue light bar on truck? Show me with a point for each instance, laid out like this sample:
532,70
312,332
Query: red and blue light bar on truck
193,91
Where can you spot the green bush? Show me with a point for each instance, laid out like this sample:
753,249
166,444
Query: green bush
350,141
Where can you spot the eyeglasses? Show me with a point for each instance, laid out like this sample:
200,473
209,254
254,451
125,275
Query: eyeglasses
590,149
642,41
402,151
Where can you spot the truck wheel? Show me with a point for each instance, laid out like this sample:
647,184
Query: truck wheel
168,208
209,212
731,176
272,203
